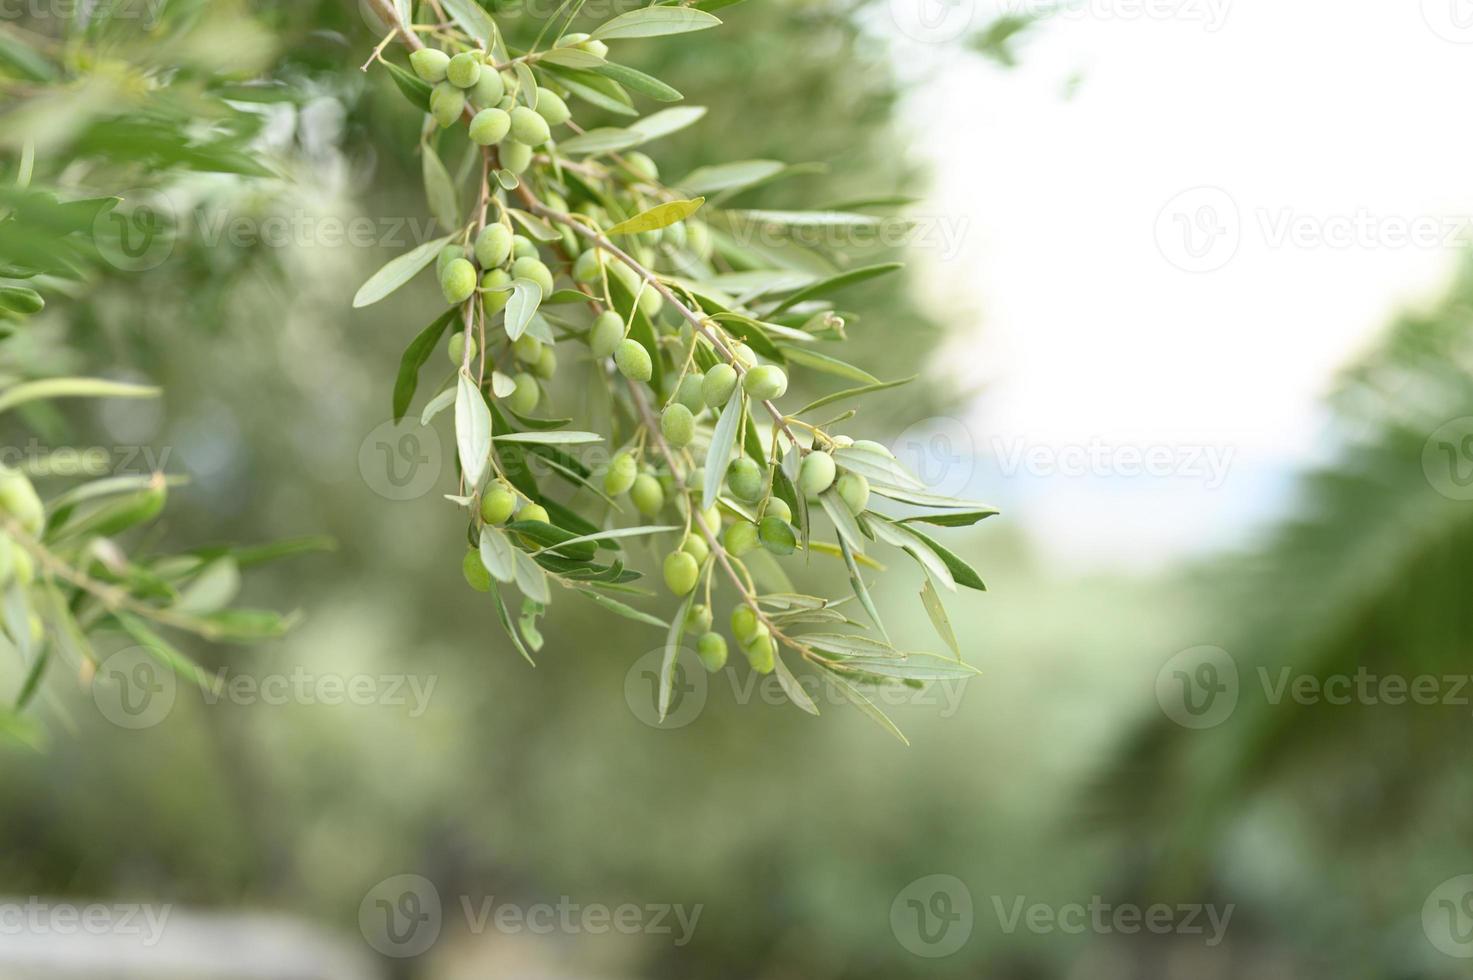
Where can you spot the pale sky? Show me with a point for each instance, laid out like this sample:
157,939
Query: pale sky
1302,144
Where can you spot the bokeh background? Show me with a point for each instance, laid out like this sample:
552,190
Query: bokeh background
1189,291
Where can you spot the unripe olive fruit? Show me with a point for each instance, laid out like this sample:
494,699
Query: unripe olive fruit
19,500
675,234
585,269
778,507
761,653
490,89
535,270
874,447
718,385
7,560
607,331
633,360
698,619
681,572
767,381
489,126
696,547
446,104
515,156
584,43
841,442
430,65
698,238
744,477
457,349
475,572
690,394
528,127
457,281
650,301
641,166
777,536
447,255
711,648
745,355
647,494
527,349
854,490
677,425
712,515
740,538
551,107
523,247
534,512
621,474
21,299
526,396
23,568
464,70
816,474
497,286
493,245
497,505
546,365
744,624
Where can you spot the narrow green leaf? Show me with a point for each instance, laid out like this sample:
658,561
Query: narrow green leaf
654,22
531,579
396,272
551,437
672,650
835,283
864,704
931,600
411,86
48,388
965,518
728,176
506,624
914,667
640,82
618,532
498,554
718,457
627,611
414,358
472,430
792,688
843,519
472,19
571,58
659,216
526,296
960,570
605,139
828,365
439,190
861,591
666,121
839,396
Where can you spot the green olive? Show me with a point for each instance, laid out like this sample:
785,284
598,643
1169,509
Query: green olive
464,70
711,648
745,356
816,474
535,270
765,382
744,478
607,331
586,268
677,425
24,568
489,127
527,349
497,287
651,302
550,106
778,507
19,499
641,166
696,547
777,536
528,127
647,494
489,90
718,385
698,618
681,572
446,104
447,255
633,360
854,490
457,349
523,247
430,65
698,237
689,392
523,401
534,512
740,538
497,504
458,281
621,474
516,157
761,653
493,245
7,560
744,623
546,365
475,572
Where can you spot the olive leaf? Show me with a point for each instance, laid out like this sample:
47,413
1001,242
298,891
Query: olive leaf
526,295
472,430
622,609
839,396
439,190
960,570
667,121
471,19
531,579
865,705
718,457
828,365
834,283
639,82
791,687
396,272
914,667
672,650
729,176
964,519
415,355
659,216
931,601
506,624
551,438
605,139
654,22
498,554
571,58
